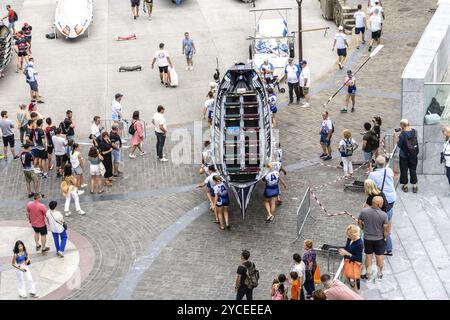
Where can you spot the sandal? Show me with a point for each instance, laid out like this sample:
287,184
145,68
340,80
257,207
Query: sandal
405,188
414,189
100,192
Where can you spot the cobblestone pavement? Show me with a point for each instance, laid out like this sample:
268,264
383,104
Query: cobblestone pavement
200,262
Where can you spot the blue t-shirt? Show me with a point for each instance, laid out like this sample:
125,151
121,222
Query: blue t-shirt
188,45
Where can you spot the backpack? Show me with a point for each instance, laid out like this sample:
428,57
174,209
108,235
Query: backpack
132,129
251,281
15,17
62,125
278,295
412,145
348,148
373,142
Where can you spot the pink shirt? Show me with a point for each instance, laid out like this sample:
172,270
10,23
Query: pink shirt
339,291
36,211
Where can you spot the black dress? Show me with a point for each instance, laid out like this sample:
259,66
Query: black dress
107,158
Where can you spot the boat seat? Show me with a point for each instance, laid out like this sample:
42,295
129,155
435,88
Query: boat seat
229,104
228,116
251,128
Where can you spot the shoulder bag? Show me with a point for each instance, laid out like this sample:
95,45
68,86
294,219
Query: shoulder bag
63,224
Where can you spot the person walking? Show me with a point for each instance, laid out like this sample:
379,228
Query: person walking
7,127
95,162
272,179
347,146
148,6
135,8
21,261
409,149
12,18
69,190
326,132
106,149
292,72
221,202
375,27
116,142
164,62
352,253
188,49
22,118
374,222
117,113
384,179
59,145
445,154
58,228
31,74
161,132
137,138
299,268
36,217
340,42
77,162
26,158
370,144
305,82
336,290
245,278
350,83
309,258
360,24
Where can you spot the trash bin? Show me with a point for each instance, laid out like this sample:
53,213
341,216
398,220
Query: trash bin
327,7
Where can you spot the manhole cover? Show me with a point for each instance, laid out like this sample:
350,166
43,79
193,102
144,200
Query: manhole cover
404,9
412,44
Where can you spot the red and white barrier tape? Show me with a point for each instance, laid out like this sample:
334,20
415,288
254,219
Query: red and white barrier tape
313,194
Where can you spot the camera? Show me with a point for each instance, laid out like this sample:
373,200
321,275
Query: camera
397,129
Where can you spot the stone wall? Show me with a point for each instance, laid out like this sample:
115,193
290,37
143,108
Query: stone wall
429,63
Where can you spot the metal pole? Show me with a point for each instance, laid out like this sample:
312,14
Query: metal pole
300,34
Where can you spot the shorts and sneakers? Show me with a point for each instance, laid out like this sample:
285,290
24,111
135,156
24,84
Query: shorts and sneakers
9,140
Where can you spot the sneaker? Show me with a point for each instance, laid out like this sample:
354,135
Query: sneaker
34,295
163,159
132,156
327,158
364,42
60,254
80,192
357,47
84,185
290,102
192,68
143,153
323,155
353,110
388,253
16,157
343,110
380,276
306,105
370,48
124,141
67,213
40,101
23,296
37,170
38,247
81,212
44,175
187,68
45,249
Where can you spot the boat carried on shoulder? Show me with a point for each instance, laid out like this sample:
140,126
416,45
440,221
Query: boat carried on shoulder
6,47
242,131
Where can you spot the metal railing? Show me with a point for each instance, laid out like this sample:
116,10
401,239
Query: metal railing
303,212
108,123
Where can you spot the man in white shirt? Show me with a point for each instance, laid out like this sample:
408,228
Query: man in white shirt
160,131
326,131
266,70
31,74
375,27
117,113
305,82
59,143
340,42
163,63
96,130
380,10
292,71
360,24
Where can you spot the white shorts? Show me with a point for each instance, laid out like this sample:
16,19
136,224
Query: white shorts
95,170
78,170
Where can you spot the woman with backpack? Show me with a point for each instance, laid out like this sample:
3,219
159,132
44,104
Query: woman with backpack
372,191
69,190
409,149
136,129
347,146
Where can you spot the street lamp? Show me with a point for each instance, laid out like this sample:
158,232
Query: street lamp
300,39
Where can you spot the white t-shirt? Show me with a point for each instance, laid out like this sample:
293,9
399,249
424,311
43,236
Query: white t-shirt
74,161
380,11
447,153
359,19
161,56
328,124
305,74
340,38
209,104
54,219
210,179
292,73
59,144
116,107
375,23
159,120
300,269
95,130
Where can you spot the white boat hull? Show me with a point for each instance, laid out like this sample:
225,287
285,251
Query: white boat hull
73,17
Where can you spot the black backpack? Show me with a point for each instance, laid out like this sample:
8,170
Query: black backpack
132,129
372,143
252,276
15,17
62,125
412,145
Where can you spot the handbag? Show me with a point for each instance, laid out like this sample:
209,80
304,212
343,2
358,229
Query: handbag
63,224
352,269
102,168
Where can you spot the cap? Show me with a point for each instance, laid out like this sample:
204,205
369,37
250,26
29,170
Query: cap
118,95
303,62
349,71
341,28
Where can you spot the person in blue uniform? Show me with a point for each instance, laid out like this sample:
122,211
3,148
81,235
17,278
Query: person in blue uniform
272,99
209,184
350,83
221,201
272,190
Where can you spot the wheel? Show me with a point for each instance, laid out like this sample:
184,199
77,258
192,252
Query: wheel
250,52
282,90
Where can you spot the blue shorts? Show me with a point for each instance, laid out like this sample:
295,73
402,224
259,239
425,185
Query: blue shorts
11,25
351,90
367,156
273,109
35,153
271,192
342,52
116,155
360,30
224,202
210,115
33,85
323,141
189,54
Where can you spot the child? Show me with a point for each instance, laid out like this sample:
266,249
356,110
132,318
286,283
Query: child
279,291
295,286
347,146
77,162
273,105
